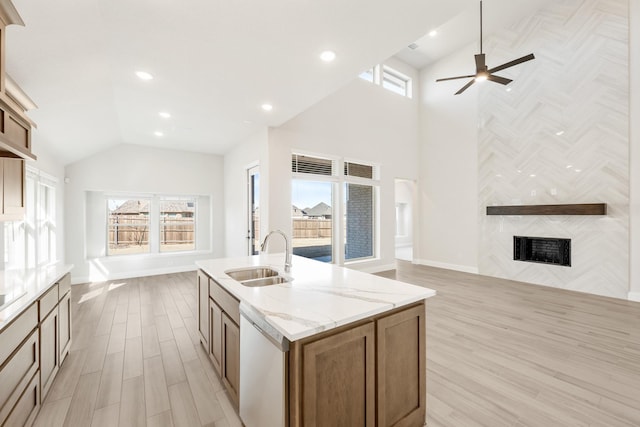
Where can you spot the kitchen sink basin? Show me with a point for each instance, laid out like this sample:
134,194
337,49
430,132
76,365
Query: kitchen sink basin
251,273
265,281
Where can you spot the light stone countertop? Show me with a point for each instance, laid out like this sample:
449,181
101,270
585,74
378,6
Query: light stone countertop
320,297
22,287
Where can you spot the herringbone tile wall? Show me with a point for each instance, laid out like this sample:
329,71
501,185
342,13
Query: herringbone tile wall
559,134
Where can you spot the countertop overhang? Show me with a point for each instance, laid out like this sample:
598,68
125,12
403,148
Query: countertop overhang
23,287
320,296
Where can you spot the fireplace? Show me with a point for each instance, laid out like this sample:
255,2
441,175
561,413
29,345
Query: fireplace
542,250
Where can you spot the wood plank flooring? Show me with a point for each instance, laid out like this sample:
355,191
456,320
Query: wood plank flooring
499,353
136,360
504,353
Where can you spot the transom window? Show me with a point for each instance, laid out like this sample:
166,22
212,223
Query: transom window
389,78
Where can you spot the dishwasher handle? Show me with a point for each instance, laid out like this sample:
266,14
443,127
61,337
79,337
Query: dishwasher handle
266,329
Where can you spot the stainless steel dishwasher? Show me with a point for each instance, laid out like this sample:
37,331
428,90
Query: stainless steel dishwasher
262,371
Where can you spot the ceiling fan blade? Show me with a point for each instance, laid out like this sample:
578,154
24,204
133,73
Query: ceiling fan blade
512,63
498,79
480,63
465,87
456,78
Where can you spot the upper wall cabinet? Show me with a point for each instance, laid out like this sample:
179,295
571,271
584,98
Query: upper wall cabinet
15,126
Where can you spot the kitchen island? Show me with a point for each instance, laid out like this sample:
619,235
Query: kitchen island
338,346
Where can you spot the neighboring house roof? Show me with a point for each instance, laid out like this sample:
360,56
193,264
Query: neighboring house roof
137,207
321,209
132,207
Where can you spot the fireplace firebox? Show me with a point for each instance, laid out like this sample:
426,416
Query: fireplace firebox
542,250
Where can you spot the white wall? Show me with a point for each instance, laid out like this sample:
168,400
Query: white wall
634,153
363,122
448,156
139,170
248,153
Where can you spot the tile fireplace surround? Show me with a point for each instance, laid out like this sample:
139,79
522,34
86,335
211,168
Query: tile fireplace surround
560,135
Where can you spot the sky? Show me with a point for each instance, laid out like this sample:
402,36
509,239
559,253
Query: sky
307,194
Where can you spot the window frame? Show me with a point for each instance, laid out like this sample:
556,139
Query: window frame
154,223
339,180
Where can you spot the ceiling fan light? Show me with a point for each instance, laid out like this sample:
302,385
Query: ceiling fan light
481,77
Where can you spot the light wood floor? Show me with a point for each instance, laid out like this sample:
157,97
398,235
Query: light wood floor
136,360
503,353
500,353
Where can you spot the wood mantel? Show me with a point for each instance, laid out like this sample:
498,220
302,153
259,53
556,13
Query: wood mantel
566,209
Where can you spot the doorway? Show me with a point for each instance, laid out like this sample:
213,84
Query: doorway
404,200
253,211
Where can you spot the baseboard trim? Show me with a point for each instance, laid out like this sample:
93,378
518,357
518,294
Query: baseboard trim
137,273
455,267
634,296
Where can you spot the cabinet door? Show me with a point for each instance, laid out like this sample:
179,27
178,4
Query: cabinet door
401,368
203,308
13,186
215,338
231,357
48,351
338,379
27,407
64,330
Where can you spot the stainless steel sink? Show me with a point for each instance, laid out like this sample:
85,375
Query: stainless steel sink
251,273
265,281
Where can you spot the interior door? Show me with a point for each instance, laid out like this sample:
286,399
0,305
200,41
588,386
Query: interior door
253,214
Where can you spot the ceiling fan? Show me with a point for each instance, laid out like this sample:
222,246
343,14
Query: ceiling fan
485,73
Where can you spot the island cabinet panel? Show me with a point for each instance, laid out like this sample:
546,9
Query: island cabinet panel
337,384
370,373
203,308
231,357
215,349
222,340
401,343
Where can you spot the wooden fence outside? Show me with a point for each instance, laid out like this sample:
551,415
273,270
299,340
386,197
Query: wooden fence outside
311,228
127,231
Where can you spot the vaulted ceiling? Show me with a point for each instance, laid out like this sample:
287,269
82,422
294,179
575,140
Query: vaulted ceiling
214,62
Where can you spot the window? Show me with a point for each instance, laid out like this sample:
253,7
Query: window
333,213
142,225
396,82
128,226
177,225
32,242
390,79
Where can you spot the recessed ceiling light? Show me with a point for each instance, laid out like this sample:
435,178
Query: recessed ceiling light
560,133
578,170
164,115
158,133
267,107
508,89
533,175
143,75
433,33
328,55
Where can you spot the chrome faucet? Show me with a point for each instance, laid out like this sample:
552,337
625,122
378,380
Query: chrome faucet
287,248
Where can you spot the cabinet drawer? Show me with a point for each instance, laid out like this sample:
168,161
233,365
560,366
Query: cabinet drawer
17,372
25,411
20,328
225,300
48,301
64,285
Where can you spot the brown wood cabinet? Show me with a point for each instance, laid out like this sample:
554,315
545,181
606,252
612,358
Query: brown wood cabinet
215,347
221,335
48,351
203,310
64,326
12,200
231,357
371,373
